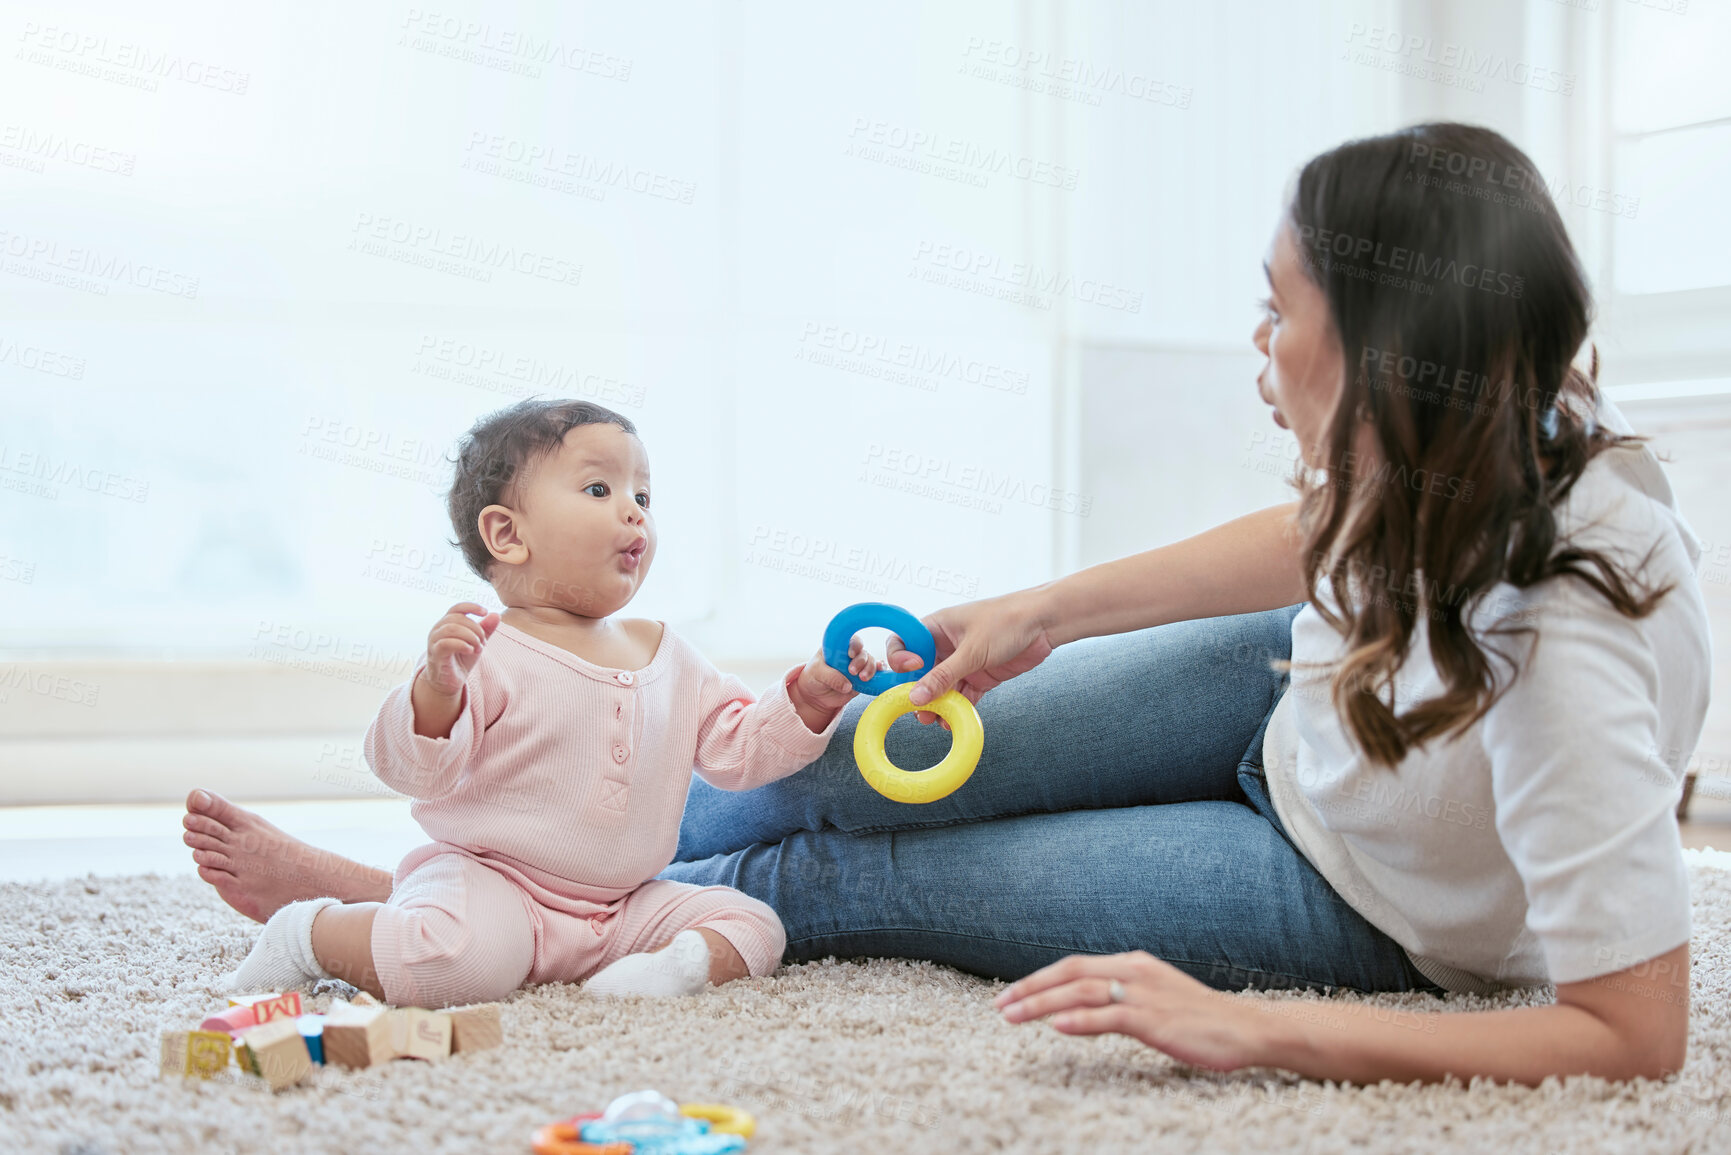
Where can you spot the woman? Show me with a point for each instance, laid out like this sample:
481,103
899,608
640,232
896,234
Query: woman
1500,671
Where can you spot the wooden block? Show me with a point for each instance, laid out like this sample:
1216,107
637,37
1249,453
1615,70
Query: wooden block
419,1034
475,1028
261,1009
272,1007
243,1057
277,1053
363,999
203,1054
357,1036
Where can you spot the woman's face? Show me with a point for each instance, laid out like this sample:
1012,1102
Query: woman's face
1304,375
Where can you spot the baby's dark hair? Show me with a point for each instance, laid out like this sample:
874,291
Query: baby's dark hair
497,450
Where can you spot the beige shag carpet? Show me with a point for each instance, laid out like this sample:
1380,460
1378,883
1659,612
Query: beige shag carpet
840,1057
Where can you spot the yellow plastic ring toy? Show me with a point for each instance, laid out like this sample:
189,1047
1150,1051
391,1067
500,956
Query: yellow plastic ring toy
967,736
722,1118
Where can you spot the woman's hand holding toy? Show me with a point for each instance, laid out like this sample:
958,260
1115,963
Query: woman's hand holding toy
981,645
841,647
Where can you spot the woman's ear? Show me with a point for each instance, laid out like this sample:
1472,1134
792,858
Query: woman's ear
498,526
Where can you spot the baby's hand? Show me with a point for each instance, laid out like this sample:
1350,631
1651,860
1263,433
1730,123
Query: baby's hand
454,647
824,690
828,690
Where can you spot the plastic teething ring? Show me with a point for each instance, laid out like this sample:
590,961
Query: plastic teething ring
859,616
564,1139
967,736
722,1118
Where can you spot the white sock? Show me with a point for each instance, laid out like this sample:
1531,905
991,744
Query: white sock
681,968
282,959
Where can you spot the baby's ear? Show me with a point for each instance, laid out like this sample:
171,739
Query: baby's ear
498,528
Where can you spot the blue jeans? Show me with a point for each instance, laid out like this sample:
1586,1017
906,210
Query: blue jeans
1119,805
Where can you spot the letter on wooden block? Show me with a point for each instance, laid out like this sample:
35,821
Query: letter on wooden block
200,1053
475,1028
419,1034
271,1007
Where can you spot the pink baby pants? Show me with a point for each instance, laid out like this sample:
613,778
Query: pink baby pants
460,928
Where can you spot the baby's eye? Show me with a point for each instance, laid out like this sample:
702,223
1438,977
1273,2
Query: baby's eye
643,500
599,485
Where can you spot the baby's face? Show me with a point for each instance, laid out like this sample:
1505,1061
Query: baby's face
584,514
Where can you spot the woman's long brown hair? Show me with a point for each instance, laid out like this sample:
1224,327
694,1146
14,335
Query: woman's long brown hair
1460,306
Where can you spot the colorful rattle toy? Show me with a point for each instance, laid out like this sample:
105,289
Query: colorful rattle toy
968,737
649,1123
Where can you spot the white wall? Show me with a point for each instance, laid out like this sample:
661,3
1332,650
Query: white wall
281,414
913,303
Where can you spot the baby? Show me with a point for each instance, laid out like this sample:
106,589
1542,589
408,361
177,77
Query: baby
549,751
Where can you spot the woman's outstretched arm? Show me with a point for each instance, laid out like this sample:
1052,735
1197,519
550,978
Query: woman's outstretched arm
1242,566
1632,1023
1248,564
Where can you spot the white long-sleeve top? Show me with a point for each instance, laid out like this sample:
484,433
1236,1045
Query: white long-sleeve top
1540,845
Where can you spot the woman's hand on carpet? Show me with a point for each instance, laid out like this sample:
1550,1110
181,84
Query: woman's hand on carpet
1161,1005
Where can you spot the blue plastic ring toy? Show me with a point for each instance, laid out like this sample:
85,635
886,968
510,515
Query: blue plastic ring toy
862,615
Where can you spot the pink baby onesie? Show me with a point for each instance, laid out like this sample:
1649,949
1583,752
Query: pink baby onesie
554,803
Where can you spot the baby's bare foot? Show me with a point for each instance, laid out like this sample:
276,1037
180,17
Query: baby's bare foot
257,869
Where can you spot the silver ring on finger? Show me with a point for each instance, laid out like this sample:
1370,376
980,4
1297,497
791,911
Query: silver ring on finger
1115,992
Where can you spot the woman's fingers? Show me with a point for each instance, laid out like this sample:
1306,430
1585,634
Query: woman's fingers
1158,1004
899,657
1123,967
1082,993
944,676
1115,1018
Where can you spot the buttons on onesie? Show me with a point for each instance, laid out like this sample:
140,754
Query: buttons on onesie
617,788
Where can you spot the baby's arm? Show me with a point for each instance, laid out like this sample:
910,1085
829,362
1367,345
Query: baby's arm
744,743
428,728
